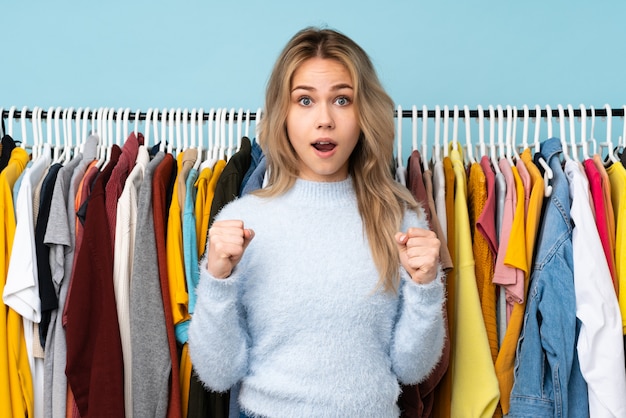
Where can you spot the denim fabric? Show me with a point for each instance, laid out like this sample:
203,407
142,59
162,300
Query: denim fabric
548,381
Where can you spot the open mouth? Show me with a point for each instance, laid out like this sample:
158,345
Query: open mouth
324,146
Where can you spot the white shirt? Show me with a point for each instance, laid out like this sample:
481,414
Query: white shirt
600,345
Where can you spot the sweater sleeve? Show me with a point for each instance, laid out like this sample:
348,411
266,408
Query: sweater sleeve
419,332
218,339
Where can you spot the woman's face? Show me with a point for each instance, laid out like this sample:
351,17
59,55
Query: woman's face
322,121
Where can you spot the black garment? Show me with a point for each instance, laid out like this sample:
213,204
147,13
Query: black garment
229,183
47,293
201,402
8,144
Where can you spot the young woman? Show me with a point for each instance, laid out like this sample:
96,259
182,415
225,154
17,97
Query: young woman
322,291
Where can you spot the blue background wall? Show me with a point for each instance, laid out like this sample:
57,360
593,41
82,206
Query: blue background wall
187,54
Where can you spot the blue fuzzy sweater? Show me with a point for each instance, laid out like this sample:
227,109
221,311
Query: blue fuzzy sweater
300,321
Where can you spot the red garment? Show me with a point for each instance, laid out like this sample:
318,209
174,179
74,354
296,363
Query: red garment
599,206
95,369
115,185
161,189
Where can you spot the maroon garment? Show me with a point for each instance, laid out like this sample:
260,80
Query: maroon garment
415,182
95,369
115,185
161,190
416,401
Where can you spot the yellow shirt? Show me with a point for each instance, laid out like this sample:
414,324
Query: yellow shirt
210,192
202,183
16,383
475,391
505,362
617,175
175,258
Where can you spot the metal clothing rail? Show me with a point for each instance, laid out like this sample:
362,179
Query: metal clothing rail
430,113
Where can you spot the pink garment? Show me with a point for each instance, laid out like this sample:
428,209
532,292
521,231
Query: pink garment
512,279
599,205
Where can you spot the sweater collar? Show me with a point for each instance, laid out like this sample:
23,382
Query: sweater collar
337,191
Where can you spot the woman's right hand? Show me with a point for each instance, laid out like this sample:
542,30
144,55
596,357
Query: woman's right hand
227,242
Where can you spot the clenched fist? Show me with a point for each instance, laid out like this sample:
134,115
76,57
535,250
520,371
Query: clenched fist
419,253
227,242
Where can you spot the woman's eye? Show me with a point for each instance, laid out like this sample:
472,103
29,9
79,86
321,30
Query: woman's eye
342,101
305,101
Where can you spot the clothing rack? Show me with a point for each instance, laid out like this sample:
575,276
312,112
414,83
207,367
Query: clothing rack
419,112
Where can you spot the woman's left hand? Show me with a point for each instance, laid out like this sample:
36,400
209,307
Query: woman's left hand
419,253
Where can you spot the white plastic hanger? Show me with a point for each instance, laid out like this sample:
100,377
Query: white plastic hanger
35,126
609,139
508,140
623,137
399,136
239,123
623,143
492,144
562,132
170,131
223,146
446,139
247,123
257,120
163,142
177,125
85,124
10,121
455,128
148,122
514,147
217,141
77,127
198,116
549,120
119,122
125,125
500,120
400,169
185,127
425,138
208,161
231,135
583,132
414,128
572,132
468,135
155,127
592,137
547,171
481,131
526,117
66,154
24,138
437,148
57,135
136,125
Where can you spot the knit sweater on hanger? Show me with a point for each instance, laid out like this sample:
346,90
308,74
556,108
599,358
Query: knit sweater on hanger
300,320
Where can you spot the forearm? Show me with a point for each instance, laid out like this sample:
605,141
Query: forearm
419,332
217,337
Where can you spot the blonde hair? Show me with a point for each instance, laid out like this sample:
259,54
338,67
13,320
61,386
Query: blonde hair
381,200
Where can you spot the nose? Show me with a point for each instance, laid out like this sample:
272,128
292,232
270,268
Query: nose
324,117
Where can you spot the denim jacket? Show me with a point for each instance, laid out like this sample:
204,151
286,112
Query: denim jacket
548,381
